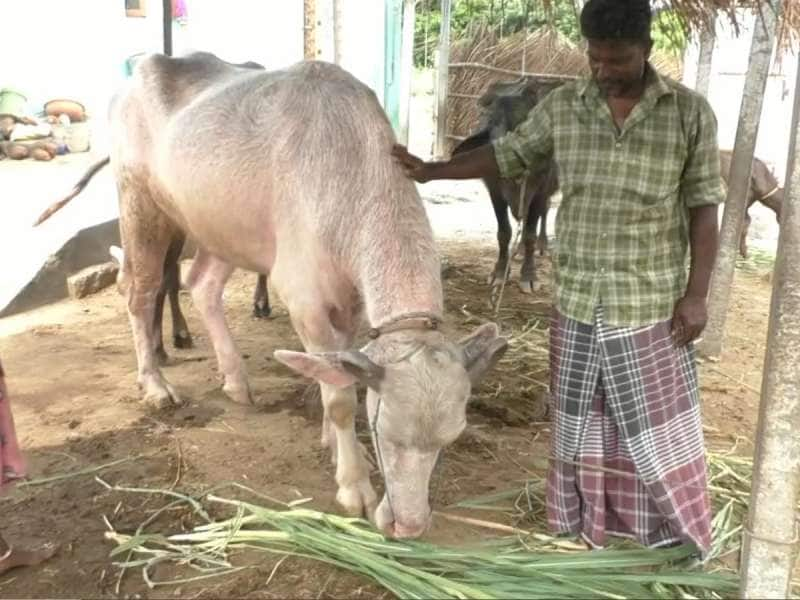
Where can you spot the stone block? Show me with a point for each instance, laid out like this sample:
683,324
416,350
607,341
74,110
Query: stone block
92,279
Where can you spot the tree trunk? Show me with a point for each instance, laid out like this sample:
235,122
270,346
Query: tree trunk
707,39
442,70
325,30
739,180
768,553
425,60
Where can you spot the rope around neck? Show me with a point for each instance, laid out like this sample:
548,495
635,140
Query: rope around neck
422,320
374,428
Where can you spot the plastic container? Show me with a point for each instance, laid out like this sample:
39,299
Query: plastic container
12,102
77,137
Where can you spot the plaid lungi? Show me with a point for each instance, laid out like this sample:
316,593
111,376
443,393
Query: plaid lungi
628,458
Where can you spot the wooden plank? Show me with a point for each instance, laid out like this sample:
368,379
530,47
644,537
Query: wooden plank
542,76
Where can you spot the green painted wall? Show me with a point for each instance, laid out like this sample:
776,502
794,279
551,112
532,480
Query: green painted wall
393,37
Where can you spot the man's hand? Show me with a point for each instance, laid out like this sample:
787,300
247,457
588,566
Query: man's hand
688,319
415,167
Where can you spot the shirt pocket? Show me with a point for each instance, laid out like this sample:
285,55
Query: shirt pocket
654,162
653,177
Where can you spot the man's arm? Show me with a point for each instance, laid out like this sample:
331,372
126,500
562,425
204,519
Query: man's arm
703,243
691,315
525,148
474,164
701,190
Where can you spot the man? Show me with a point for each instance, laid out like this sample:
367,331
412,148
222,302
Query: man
638,165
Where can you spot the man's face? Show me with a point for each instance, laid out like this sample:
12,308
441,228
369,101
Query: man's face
617,66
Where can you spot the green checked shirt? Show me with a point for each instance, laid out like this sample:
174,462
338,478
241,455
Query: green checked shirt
622,228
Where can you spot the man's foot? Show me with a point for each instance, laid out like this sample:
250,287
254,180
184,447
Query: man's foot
16,557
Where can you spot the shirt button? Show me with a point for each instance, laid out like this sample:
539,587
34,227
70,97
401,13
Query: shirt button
602,270
618,145
604,235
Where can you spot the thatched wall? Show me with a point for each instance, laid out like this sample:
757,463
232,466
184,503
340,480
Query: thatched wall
544,51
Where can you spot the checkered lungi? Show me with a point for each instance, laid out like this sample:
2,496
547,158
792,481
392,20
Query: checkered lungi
628,457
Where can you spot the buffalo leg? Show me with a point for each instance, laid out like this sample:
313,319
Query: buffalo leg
503,233
146,234
206,281
158,323
541,241
355,494
527,275
261,307
743,237
181,338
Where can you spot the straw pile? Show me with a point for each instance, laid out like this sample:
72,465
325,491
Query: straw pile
544,51
790,26
697,13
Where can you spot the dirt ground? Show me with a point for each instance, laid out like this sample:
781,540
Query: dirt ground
70,368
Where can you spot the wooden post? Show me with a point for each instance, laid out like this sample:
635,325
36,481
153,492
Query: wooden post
406,67
442,68
325,30
707,38
309,30
739,180
770,538
166,6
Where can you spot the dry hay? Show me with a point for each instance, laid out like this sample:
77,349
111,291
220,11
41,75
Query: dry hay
517,393
543,52
697,15
790,26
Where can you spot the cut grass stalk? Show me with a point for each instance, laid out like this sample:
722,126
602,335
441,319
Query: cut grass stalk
502,569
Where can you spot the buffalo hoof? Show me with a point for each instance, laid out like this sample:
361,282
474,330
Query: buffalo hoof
158,394
358,499
238,393
262,312
541,246
495,280
528,286
183,340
